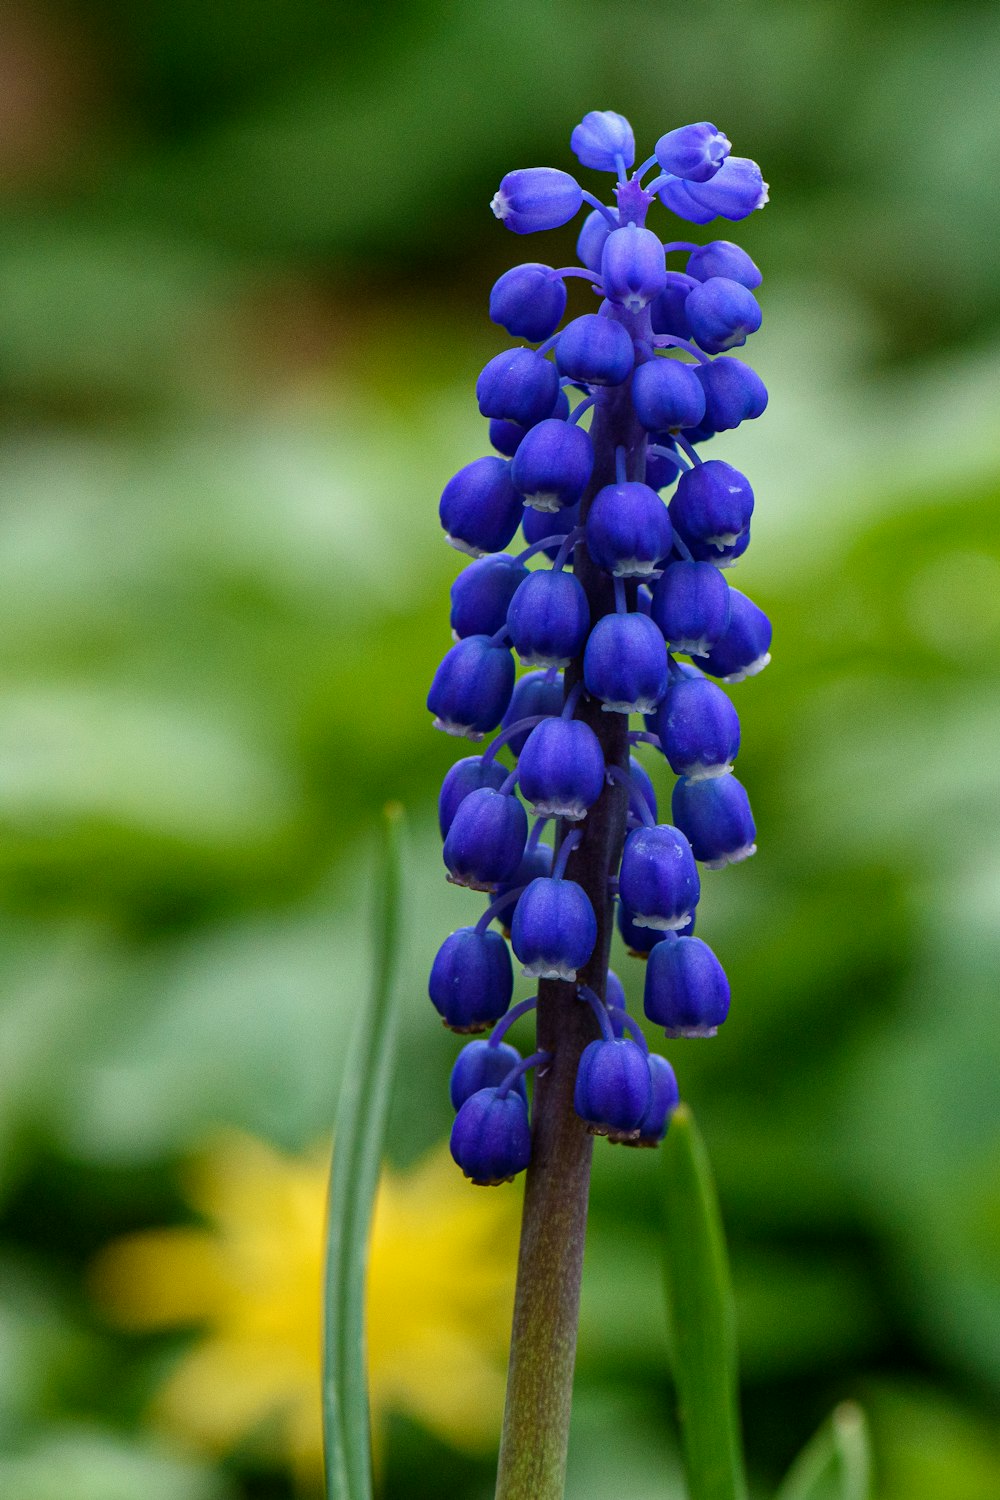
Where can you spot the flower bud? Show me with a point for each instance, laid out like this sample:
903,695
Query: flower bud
536,862
693,152
664,1099
667,394
554,929
548,619
601,136
713,502
687,992
613,1090
481,594
595,350
561,769
486,840
614,992
640,786
590,241
628,530
472,687
744,648
491,1137
734,192
480,509
472,979
633,267
537,198
640,941
553,465
661,470
723,258
719,554
691,606
658,881
519,385
668,314
534,693
722,314
467,775
733,392
698,727
625,664
528,301
483,1065
716,817
538,524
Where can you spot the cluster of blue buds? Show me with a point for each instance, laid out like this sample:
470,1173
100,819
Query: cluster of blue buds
597,426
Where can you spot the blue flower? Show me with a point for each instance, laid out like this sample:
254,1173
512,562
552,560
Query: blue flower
537,198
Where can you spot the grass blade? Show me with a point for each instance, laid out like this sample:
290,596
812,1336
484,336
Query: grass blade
359,1131
701,1317
835,1464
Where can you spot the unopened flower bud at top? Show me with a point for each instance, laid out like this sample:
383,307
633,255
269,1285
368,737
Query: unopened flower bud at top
595,350
723,258
554,929
633,267
561,769
733,392
667,394
691,606
486,840
744,648
481,594
698,728
535,198
471,979
628,530
625,664
713,502
735,191
480,509
715,814
722,314
491,1136
548,618
601,137
553,464
467,775
528,301
483,1065
472,687
658,881
613,1089
693,152
519,385
687,992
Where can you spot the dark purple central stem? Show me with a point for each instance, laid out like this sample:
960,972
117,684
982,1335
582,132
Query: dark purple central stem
547,1302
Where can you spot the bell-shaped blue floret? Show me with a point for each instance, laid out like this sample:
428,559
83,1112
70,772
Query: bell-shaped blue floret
668,314
721,555
691,606
633,267
722,314
744,649
723,258
590,241
467,775
698,727
535,863
506,437
548,619
553,465
535,198
538,524
472,979
693,152
640,787
486,840
484,1065
596,350
715,814
480,509
658,881
554,929
687,992
561,769
713,502
528,301
600,137
665,1097
491,1137
481,594
733,392
472,687
661,469
734,192
613,1089
667,394
625,664
628,530
534,693
519,385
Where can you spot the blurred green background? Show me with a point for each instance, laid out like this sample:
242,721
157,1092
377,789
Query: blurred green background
245,256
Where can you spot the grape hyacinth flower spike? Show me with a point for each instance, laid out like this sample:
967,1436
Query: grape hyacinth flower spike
597,414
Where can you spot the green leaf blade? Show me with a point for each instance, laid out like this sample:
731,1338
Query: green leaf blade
836,1463
360,1128
702,1319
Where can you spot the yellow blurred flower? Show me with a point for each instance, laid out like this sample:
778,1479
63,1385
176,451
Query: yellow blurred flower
439,1300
